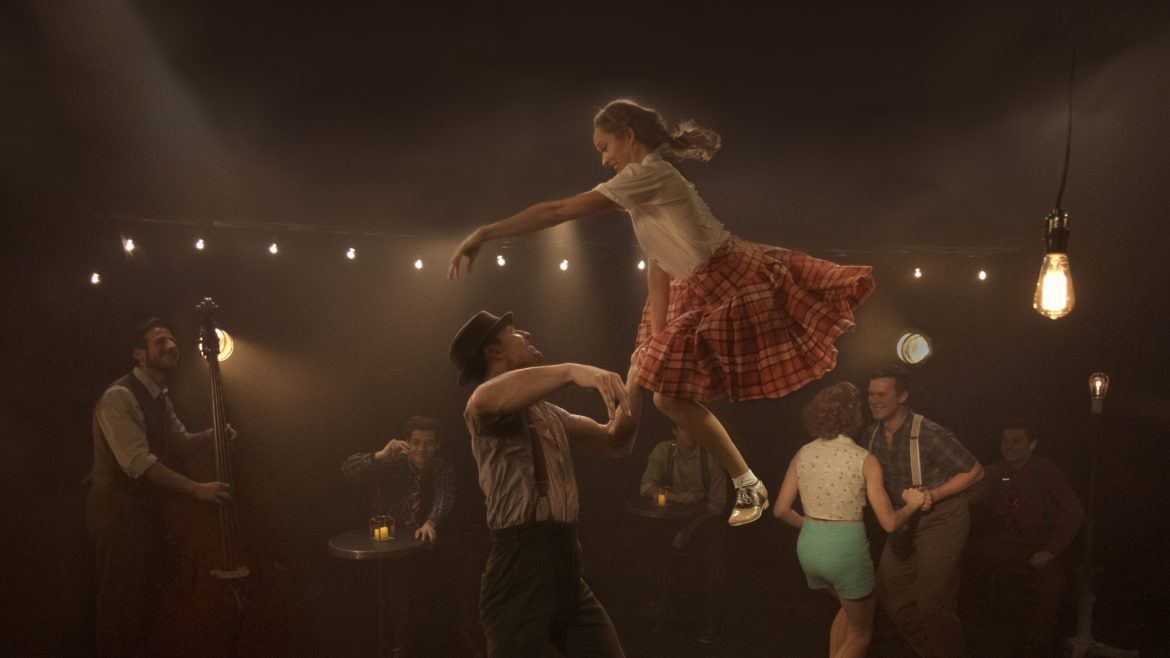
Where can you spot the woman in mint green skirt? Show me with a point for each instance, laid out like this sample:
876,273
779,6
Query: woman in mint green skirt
833,477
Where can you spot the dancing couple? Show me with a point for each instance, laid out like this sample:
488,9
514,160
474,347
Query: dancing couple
725,319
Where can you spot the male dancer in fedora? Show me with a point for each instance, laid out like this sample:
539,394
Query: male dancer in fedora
532,591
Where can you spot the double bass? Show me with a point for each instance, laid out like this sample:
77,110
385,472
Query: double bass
225,594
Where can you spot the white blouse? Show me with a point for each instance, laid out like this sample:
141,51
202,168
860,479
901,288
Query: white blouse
829,475
673,224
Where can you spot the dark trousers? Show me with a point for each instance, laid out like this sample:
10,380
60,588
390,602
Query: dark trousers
532,594
1003,550
128,539
709,541
920,591
449,565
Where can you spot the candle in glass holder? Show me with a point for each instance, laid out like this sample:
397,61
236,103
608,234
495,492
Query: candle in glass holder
380,528
661,500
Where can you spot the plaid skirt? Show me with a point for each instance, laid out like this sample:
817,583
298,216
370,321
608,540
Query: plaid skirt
753,322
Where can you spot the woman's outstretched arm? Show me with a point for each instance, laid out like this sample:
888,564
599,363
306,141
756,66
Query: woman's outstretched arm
530,220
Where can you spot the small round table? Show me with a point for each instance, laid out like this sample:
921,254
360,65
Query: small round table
647,508
357,545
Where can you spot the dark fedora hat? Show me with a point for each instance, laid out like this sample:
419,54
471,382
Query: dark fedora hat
478,331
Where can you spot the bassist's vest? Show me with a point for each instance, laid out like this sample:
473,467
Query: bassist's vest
106,471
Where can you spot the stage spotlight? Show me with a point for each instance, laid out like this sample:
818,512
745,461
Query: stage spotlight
128,245
226,344
200,244
564,265
418,264
982,275
500,260
914,347
351,253
273,249
641,265
918,273
95,278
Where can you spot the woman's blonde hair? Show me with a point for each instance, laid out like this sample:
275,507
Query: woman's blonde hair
687,140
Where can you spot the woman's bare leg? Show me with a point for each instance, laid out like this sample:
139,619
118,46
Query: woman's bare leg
858,628
705,429
837,633
751,498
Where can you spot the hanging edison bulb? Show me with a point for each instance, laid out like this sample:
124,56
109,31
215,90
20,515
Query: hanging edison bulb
1054,297
1098,387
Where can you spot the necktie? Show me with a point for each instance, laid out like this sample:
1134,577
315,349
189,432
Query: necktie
1015,503
414,495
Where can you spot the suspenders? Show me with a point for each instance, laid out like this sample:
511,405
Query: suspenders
702,466
915,453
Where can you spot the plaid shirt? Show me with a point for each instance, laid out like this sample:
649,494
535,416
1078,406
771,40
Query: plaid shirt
942,455
392,479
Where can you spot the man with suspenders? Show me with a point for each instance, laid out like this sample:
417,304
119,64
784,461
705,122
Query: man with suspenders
532,592
918,576
690,474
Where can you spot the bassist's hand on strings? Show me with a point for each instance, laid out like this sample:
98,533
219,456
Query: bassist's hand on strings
209,434
219,493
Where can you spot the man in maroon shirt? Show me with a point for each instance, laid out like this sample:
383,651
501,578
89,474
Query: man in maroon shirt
1036,514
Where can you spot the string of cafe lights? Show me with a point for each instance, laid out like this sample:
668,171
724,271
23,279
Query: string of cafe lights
130,246
352,239
913,346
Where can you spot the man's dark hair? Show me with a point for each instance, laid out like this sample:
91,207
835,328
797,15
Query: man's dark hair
137,335
900,375
419,424
1019,422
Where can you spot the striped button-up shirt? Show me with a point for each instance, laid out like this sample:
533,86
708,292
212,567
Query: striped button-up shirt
502,446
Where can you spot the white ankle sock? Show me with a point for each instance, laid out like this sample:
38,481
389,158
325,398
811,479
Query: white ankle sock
746,480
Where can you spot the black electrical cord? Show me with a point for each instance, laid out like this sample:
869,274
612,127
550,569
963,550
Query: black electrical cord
1072,73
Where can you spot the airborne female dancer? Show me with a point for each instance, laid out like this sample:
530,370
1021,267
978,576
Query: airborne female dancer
725,319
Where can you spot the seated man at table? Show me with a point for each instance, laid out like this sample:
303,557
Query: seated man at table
1036,514
416,488
689,474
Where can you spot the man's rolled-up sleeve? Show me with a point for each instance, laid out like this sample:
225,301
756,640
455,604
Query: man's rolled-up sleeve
124,427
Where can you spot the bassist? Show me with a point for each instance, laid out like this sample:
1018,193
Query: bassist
138,443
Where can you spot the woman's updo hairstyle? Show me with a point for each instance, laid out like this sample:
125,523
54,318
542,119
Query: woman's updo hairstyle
833,411
686,141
